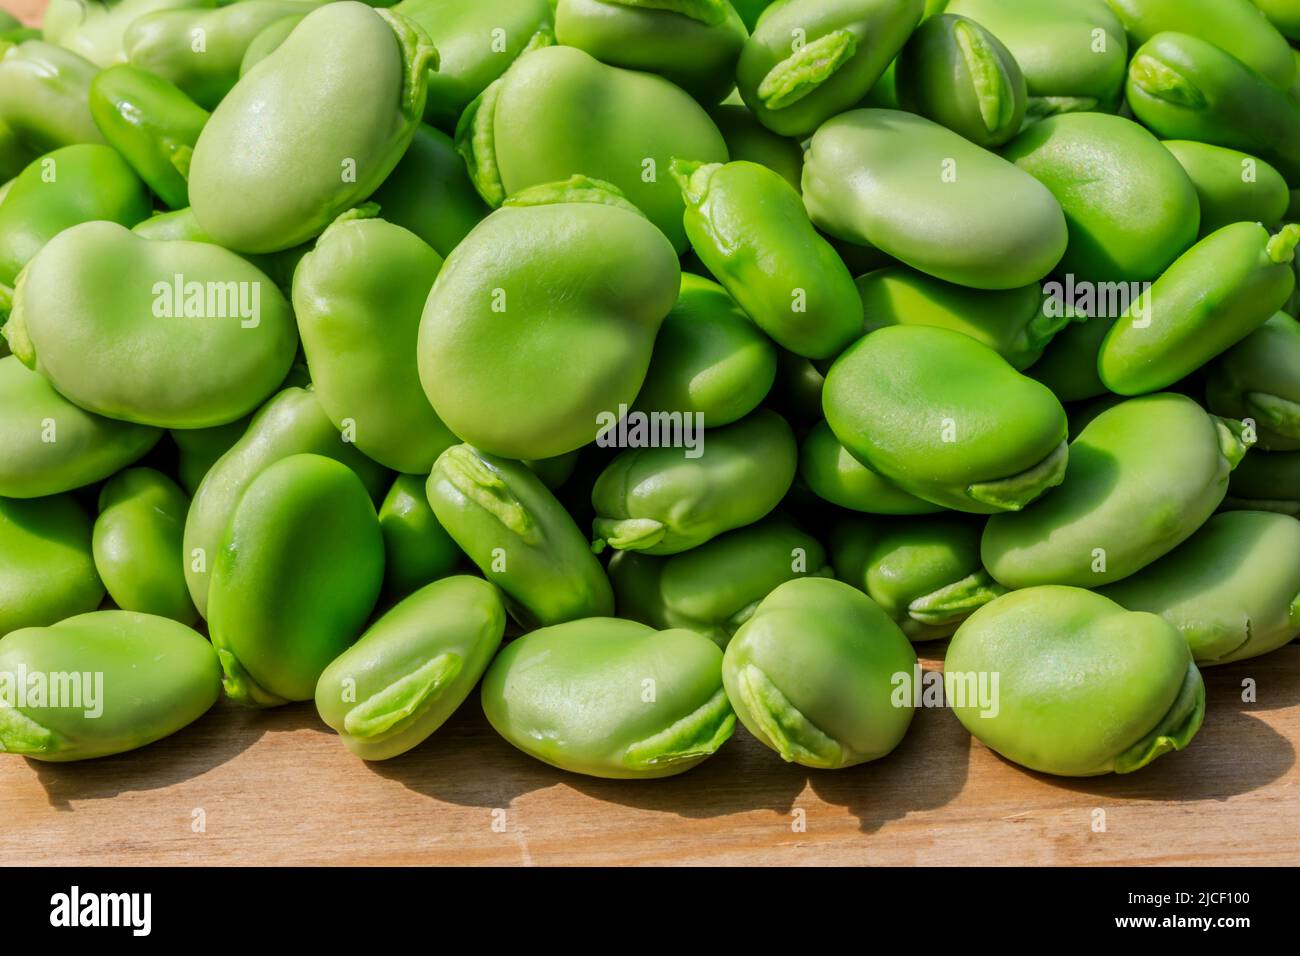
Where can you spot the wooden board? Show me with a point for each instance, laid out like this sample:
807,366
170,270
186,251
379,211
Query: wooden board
28,11
242,787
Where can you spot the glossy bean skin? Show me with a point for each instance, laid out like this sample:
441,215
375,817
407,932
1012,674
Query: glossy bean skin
1085,687
412,668
1214,295
810,59
751,10
924,572
694,45
51,445
477,40
1011,321
1266,481
523,131
161,43
660,501
638,703
1231,186
511,526
47,569
956,73
749,140
1259,379
154,676
358,297
561,268
65,187
812,674
44,96
291,423
267,40
1068,365
1141,478
1234,26
1072,52
429,192
344,94
417,549
94,29
749,227
797,392
15,155
1231,589
137,544
296,576
1130,208
152,123
714,589
1283,14
946,419
143,357
834,475
709,358
934,200
197,449
1183,87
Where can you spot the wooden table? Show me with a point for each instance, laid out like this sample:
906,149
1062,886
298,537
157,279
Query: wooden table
242,787
28,11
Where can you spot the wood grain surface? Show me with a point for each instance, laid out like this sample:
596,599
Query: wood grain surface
28,11
277,787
